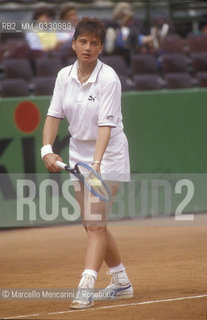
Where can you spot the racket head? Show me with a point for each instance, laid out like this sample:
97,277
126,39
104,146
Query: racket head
93,181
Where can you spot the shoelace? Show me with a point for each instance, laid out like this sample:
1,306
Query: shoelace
86,282
114,279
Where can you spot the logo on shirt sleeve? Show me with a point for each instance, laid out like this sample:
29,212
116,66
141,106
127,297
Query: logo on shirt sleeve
110,117
91,98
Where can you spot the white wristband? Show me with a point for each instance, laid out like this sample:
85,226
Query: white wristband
46,150
96,162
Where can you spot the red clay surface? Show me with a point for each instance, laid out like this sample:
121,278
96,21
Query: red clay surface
165,260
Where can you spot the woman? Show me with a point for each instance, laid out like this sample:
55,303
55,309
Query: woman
43,41
88,94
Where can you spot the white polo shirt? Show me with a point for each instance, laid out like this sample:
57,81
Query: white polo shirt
87,106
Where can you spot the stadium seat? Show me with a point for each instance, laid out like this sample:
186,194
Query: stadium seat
147,82
63,1
117,63
43,85
47,67
20,51
202,79
25,1
14,48
174,62
36,54
70,61
197,43
143,63
14,88
173,43
126,83
63,52
199,61
17,68
180,80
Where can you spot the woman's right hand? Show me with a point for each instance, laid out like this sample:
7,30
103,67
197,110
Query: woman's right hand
50,162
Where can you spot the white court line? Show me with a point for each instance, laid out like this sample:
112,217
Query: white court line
24,316
113,306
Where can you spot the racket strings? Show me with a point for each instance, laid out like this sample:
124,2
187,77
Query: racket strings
94,182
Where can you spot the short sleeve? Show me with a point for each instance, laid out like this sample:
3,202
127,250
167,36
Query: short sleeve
55,108
110,104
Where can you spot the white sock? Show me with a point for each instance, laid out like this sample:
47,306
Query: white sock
118,268
90,272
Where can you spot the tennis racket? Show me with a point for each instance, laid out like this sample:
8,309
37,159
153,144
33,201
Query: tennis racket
90,178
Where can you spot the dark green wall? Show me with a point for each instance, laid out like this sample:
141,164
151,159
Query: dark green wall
167,133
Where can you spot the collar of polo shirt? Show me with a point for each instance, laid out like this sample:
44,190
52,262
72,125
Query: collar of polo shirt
74,72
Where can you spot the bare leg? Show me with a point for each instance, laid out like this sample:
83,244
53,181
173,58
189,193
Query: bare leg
101,244
96,247
112,256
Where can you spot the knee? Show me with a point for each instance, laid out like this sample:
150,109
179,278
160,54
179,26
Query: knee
93,229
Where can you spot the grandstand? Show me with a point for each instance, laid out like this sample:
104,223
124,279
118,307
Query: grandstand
173,66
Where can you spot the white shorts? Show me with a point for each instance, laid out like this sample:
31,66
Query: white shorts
115,163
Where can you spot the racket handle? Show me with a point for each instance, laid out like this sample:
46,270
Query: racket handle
61,165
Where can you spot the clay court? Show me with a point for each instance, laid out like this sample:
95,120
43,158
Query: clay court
166,262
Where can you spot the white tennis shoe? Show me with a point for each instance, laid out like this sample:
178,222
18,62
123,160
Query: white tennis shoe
84,294
120,287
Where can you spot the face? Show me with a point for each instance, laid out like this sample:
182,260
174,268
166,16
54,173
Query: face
72,16
44,17
87,47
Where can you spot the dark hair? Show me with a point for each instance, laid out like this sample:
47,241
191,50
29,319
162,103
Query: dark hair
50,12
90,25
65,10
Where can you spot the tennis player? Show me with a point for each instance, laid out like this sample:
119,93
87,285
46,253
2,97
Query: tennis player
88,95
